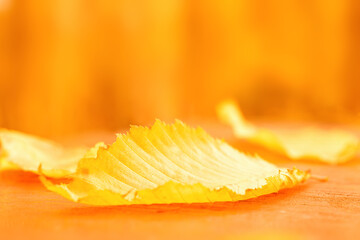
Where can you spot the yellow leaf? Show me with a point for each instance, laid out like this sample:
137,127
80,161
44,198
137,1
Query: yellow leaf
30,153
171,164
327,145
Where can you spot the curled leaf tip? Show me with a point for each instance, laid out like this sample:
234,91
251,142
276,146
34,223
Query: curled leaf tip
331,146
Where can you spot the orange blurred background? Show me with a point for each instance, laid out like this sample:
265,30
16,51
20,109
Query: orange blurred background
72,66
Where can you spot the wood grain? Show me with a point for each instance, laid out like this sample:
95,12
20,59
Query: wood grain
314,210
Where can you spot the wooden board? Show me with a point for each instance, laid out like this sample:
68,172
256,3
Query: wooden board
314,210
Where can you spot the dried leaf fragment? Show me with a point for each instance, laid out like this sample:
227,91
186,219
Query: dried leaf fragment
171,164
330,146
30,153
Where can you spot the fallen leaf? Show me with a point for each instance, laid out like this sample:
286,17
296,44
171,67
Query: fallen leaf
171,164
327,145
29,153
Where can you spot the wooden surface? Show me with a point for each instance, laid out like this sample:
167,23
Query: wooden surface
314,210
